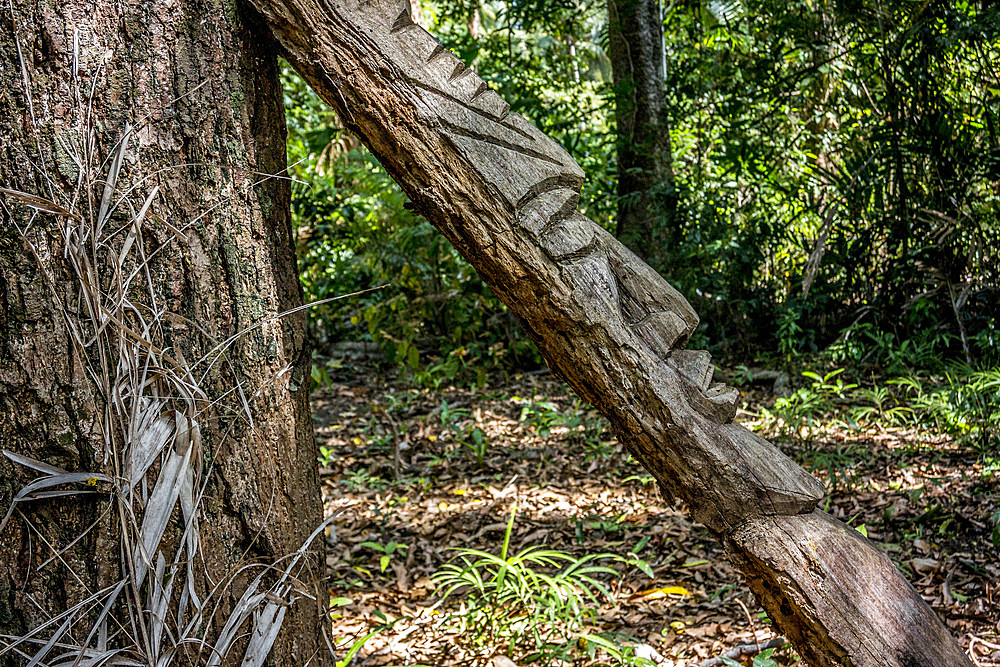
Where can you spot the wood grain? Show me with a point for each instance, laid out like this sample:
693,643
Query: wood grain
506,196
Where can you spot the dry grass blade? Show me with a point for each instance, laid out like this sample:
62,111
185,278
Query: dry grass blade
49,645
147,445
249,601
136,226
69,613
33,490
61,493
97,659
215,353
266,626
34,464
267,623
39,204
112,180
158,509
157,607
99,621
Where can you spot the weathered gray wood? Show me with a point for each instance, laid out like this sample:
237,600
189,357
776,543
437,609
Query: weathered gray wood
506,197
843,601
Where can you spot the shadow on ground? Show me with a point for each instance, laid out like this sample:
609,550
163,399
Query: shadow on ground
410,480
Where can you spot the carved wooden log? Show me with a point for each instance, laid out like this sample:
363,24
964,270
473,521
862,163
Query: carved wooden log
506,196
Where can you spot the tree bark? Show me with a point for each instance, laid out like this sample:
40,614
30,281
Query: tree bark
647,199
198,83
506,197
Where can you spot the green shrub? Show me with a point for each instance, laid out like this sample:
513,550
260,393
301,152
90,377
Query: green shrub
966,405
432,315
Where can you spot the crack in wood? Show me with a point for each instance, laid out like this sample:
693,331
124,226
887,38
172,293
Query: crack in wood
499,120
565,211
494,141
497,194
663,337
578,256
460,71
483,89
438,51
551,184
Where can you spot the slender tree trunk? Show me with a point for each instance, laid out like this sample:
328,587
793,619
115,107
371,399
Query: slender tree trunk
199,86
647,200
506,197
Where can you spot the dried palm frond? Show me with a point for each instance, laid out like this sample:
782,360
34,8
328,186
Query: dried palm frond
150,425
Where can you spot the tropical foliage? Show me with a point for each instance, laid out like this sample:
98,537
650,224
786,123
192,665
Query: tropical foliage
837,166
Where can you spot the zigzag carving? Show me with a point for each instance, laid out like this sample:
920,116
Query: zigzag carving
541,184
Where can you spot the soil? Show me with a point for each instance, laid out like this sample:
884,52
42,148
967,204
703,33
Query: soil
402,474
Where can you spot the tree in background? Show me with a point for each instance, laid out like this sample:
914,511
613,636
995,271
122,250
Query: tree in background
647,201
836,163
830,177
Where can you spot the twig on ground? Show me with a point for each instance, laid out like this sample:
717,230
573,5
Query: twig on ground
753,629
397,456
744,651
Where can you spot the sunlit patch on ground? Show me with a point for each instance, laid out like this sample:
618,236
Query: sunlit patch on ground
413,475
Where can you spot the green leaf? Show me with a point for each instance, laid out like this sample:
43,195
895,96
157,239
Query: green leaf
644,567
613,649
643,542
510,527
357,646
764,659
384,562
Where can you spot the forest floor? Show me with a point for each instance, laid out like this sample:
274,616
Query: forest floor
414,474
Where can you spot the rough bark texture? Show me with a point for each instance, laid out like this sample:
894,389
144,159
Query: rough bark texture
506,197
647,202
200,85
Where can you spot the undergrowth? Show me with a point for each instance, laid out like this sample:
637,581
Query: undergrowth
535,604
962,402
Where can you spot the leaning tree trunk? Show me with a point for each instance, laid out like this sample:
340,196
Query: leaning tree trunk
647,199
506,197
140,233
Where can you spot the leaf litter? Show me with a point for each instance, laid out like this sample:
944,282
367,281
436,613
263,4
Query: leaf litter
397,465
